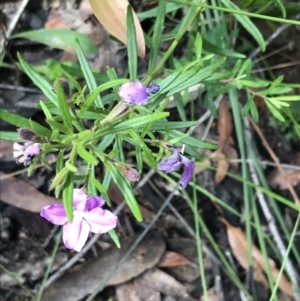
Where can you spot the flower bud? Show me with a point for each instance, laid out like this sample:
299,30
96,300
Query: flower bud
153,88
26,134
65,85
131,174
120,110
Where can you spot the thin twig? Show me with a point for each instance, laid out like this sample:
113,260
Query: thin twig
276,161
14,21
269,217
272,37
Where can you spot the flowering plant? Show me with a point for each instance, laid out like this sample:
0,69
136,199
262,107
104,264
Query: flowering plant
132,112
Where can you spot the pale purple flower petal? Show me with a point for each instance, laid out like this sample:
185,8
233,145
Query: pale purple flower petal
93,202
170,164
134,92
88,217
56,214
188,172
75,234
23,152
174,162
101,220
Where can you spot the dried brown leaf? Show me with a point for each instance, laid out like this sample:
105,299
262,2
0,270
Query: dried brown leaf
222,167
173,259
238,243
55,21
275,178
224,123
127,291
23,195
112,15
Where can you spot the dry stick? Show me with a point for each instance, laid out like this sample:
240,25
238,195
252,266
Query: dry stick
16,18
269,217
272,37
276,161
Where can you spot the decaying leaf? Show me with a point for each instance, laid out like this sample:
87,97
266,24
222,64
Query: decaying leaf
238,243
112,15
173,259
127,291
224,124
225,149
276,180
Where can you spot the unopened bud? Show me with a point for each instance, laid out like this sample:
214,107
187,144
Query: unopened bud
26,134
65,85
120,110
131,174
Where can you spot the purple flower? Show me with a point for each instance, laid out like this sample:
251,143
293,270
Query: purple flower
136,92
23,152
174,162
88,217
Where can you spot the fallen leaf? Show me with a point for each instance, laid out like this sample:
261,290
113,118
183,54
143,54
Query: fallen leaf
74,286
166,284
222,166
238,243
224,123
55,20
112,15
276,180
127,291
23,195
146,292
213,295
172,259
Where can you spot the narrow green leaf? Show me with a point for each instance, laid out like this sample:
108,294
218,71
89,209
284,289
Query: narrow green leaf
60,161
38,80
58,126
45,110
87,72
126,190
180,106
63,106
210,47
93,95
59,38
32,165
139,159
157,33
85,155
132,123
20,121
198,45
101,189
131,45
71,167
247,24
115,238
68,196
10,136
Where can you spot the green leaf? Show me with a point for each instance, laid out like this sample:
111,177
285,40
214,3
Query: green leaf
19,121
126,190
131,45
38,80
212,48
93,95
10,136
115,238
58,126
157,33
101,189
46,110
63,106
87,72
131,123
247,24
59,161
68,196
71,167
180,106
59,38
139,159
198,45
85,155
